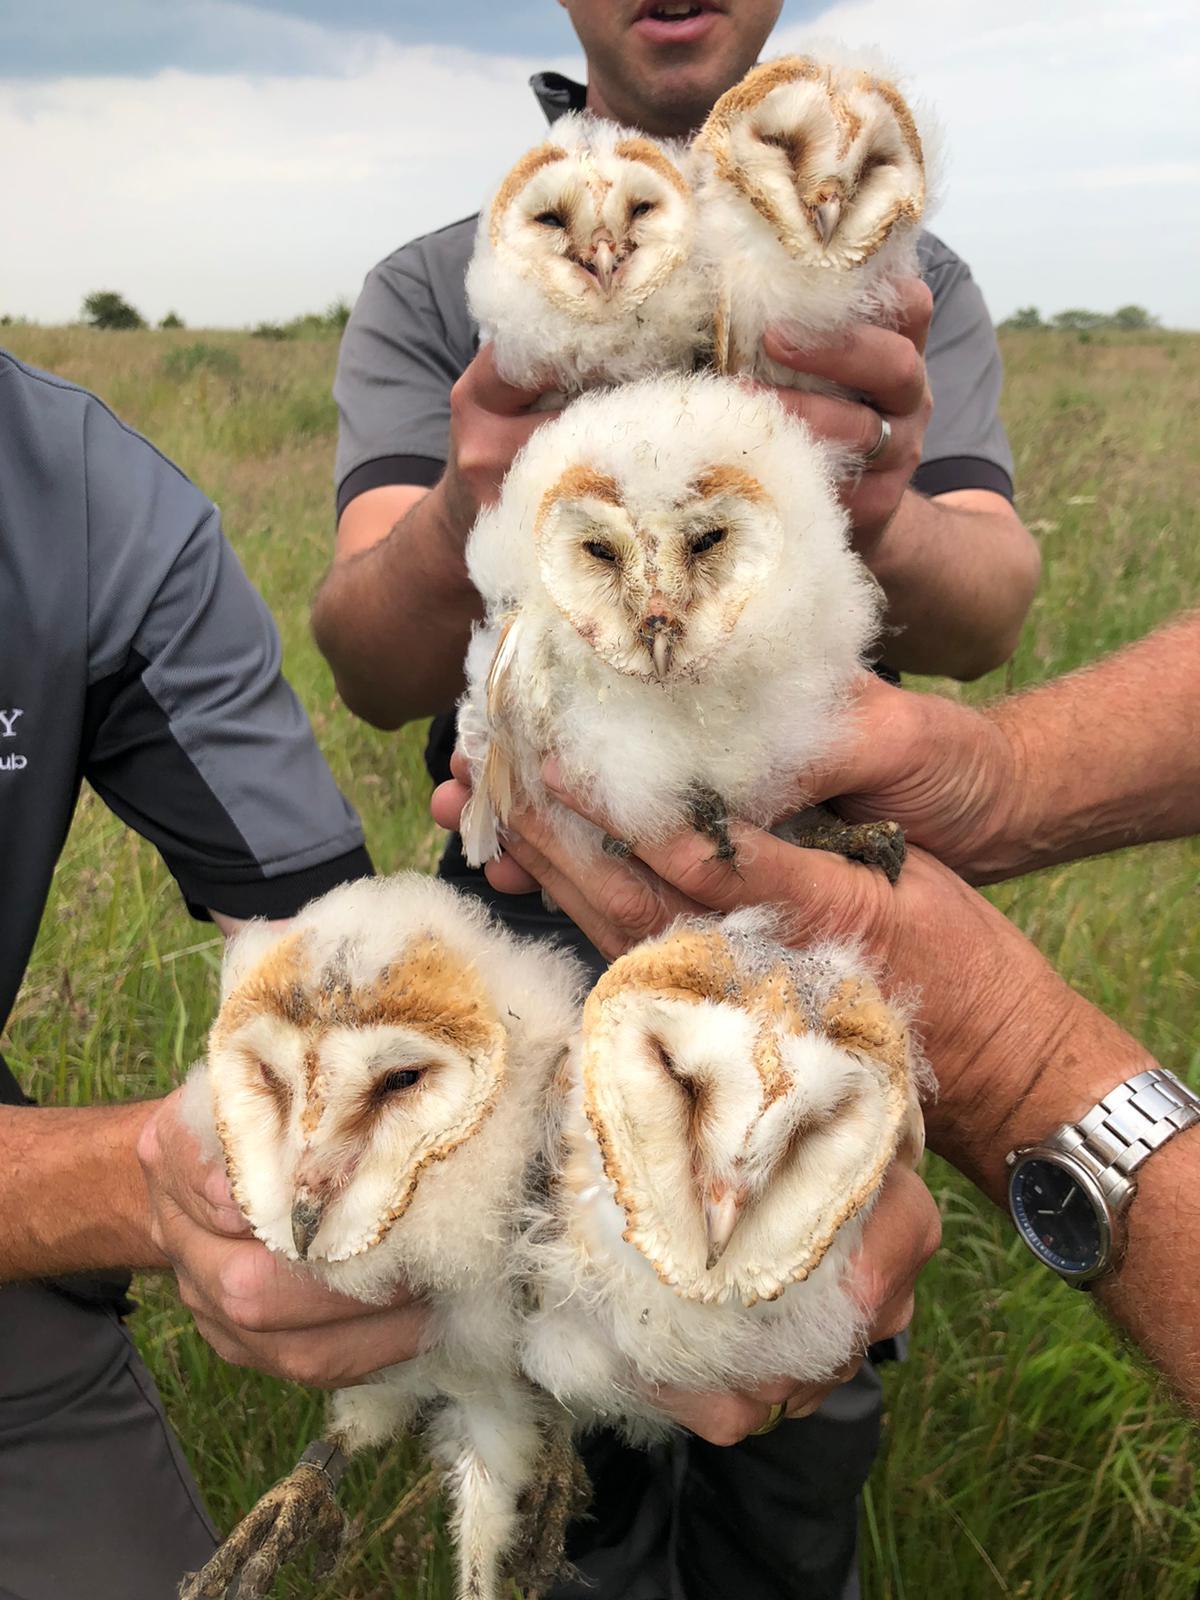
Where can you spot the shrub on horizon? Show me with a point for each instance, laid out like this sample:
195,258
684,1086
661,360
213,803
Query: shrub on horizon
105,308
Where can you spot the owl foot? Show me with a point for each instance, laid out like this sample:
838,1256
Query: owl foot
299,1511
548,1507
710,817
877,844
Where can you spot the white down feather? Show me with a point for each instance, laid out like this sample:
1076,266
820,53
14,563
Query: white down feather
607,1329
572,345
770,701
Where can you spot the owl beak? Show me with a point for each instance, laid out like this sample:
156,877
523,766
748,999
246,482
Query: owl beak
660,654
306,1220
604,264
658,635
826,217
722,1208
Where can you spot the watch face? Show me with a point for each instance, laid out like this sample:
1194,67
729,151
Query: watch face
1057,1217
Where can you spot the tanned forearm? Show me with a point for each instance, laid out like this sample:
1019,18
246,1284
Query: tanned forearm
1106,757
394,621
959,582
1048,1065
72,1191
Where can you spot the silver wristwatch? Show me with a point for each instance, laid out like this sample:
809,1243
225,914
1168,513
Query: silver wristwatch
1069,1196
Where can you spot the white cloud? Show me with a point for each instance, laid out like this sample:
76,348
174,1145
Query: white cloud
238,199
1073,157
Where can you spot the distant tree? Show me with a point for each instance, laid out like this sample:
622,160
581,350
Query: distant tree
1024,317
338,314
270,330
1079,321
172,320
1134,318
107,309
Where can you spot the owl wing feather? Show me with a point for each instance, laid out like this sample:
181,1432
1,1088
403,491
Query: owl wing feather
720,331
494,795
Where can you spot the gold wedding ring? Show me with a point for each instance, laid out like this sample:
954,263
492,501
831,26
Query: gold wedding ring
774,1417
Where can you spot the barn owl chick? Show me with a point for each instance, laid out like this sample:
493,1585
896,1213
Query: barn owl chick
730,1109
673,611
375,1080
584,270
812,194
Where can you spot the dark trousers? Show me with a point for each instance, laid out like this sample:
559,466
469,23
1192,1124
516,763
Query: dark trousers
773,1518
96,1500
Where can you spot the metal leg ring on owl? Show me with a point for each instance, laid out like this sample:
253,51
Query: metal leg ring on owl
881,444
774,1417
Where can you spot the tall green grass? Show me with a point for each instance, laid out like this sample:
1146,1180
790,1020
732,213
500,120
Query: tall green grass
1028,1452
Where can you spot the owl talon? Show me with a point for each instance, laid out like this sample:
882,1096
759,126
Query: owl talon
620,849
710,817
300,1510
875,844
548,1507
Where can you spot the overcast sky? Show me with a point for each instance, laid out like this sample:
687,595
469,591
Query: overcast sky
241,160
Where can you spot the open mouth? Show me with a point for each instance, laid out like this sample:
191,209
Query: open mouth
675,21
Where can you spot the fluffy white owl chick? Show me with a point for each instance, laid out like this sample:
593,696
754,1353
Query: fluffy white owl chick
375,1081
584,270
731,1109
811,199
673,611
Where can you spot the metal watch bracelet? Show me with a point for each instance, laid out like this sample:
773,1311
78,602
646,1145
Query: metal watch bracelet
1129,1124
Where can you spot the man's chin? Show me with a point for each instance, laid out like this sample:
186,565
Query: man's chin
678,99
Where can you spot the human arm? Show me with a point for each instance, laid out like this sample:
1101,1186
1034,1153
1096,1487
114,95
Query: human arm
99,1188
419,410
393,616
959,569
1016,1051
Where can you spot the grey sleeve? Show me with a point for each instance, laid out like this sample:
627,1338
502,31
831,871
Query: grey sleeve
965,444
397,364
192,735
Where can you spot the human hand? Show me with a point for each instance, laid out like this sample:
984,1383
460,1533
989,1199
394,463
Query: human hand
489,422
950,776
902,1233
253,1307
887,365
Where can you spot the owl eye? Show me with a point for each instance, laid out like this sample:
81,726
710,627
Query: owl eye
399,1078
706,541
602,552
643,208
272,1080
667,1062
551,219
781,141
874,163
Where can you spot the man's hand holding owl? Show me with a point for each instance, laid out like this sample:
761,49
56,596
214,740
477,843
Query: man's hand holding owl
887,366
249,1304
489,422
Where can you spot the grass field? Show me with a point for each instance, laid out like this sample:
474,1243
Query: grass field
1027,1454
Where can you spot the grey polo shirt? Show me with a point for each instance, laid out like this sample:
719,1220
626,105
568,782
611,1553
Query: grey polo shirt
411,336
134,653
